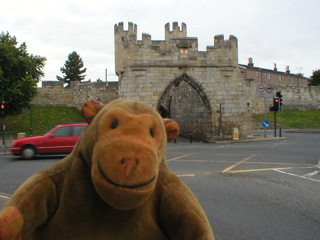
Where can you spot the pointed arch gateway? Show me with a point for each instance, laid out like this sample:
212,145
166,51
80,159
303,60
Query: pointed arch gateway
185,101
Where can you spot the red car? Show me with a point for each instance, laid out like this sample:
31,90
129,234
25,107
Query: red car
59,140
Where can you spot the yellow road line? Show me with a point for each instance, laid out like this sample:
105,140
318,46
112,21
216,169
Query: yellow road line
238,163
171,159
171,148
187,175
257,170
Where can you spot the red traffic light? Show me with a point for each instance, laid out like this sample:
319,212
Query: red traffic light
276,100
2,106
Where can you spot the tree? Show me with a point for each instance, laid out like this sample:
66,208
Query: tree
72,69
19,74
315,78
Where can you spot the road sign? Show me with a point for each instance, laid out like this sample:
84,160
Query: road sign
260,88
265,124
269,88
264,90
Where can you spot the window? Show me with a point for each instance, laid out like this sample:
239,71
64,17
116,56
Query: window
268,76
63,132
78,130
257,74
280,78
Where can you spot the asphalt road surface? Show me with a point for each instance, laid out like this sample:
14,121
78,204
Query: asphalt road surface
257,190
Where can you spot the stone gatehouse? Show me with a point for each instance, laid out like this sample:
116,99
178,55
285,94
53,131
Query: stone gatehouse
183,83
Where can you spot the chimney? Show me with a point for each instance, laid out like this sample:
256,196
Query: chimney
275,67
250,63
287,69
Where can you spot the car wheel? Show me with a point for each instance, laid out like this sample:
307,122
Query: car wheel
28,152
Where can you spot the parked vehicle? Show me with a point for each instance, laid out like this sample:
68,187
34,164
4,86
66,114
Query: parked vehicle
59,140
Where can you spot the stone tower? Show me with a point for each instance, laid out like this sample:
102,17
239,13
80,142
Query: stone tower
183,83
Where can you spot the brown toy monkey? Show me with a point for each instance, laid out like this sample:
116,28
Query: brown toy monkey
114,185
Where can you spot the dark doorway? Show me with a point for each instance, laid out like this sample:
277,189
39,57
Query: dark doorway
185,101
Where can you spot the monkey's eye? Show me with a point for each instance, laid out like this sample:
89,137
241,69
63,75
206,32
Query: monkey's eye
114,124
151,132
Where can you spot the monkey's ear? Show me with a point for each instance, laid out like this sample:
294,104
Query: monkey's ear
90,109
172,129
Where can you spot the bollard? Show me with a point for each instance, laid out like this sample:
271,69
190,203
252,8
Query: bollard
190,137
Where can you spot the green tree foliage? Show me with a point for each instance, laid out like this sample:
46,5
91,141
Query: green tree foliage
19,74
72,69
315,78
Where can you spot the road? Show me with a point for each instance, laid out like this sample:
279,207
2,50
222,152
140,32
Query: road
257,190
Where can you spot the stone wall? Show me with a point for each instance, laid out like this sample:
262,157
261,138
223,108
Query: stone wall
294,98
53,93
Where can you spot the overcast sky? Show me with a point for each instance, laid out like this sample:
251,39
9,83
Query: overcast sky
285,32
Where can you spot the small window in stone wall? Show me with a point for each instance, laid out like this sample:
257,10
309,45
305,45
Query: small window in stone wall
268,76
280,78
257,74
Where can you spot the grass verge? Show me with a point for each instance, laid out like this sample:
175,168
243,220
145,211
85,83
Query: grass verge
43,119
294,118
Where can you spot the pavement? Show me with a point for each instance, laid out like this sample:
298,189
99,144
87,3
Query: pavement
256,136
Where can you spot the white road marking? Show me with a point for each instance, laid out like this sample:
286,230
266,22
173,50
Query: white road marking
291,174
4,195
311,174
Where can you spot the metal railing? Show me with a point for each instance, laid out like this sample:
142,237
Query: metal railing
5,141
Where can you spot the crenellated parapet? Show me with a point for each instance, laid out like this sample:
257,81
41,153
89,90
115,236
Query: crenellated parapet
176,50
176,32
126,36
224,48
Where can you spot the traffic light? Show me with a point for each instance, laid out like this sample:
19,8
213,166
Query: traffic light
276,104
279,95
2,109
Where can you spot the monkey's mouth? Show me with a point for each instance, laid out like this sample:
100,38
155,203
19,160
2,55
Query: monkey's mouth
124,186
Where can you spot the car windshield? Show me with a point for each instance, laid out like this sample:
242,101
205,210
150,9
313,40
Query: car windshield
47,133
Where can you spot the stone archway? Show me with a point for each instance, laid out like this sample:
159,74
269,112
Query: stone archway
185,101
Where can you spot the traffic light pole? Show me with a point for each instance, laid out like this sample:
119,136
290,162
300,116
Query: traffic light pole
265,116
3,135
275,123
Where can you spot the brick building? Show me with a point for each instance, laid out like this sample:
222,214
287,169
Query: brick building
267,76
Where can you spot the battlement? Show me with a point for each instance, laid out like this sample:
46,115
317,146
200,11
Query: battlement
177,48
126,36
176,32
132,28
220,41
